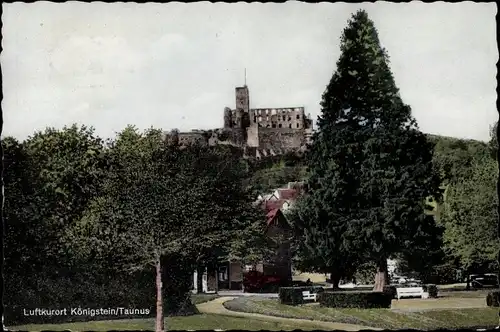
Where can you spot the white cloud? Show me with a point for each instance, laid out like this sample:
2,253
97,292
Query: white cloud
176,65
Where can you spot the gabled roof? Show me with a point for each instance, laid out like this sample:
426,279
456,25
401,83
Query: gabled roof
288,194
272,215
273,204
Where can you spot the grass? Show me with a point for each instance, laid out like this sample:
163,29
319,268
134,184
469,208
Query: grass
381,318
202,298
195,322
314,277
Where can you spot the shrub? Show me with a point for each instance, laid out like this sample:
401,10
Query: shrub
363,300
391,291
493,299
431,289
291,295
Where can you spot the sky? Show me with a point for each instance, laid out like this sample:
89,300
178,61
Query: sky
176,65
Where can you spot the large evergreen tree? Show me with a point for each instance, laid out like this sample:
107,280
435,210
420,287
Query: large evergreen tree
371,168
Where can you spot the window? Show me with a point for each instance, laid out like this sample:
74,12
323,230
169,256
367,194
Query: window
274,125
290,119
279,125
284,117
298,125
290,125
223,274
298,116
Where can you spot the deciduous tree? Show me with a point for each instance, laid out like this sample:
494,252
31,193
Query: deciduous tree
165,200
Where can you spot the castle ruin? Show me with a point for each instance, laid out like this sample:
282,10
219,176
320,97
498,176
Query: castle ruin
260,131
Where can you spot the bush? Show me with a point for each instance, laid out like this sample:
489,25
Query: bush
431,289
364,300
291,295
493,299
84,291
391,291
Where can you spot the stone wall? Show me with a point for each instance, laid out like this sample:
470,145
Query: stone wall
253,136
242,99
237,136
283,117
279,139
192,137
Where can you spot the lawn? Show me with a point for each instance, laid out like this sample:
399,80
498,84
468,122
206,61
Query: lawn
202,298
381,318
195,322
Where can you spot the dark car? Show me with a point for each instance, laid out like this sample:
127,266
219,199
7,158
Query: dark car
257,282
478,281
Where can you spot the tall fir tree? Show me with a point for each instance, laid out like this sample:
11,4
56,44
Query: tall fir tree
370,167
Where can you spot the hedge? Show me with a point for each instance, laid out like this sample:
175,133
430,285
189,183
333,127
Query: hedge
293,295
391,290
351,299
493,299
431,289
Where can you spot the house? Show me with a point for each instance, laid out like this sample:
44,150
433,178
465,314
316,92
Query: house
229,275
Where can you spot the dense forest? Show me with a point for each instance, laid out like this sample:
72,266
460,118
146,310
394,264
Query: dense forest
467,215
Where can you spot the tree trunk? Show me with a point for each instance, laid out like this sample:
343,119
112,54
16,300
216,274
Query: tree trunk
381,276
159,299
335,279
216,279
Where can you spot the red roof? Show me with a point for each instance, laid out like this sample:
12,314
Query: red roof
272,205
288,193
271,215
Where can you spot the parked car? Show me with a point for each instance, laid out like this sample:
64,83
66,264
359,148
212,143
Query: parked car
478,281
255,282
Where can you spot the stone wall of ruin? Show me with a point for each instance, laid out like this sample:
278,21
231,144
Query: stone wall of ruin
286,117
280,138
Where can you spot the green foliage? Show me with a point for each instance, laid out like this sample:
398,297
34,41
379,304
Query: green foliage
493,299
364,273
279,175
162,200
432,290
370,168
424,252
291,295
493,143
362,300
391,290
50,179
91,290
470,214
80,213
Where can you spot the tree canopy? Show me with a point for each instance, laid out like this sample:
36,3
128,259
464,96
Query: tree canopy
370,167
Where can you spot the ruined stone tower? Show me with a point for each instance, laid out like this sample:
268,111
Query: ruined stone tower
261,131
276,129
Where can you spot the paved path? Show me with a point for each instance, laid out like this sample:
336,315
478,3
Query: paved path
216,307
241,293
